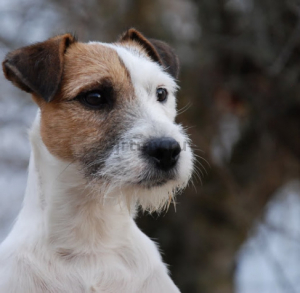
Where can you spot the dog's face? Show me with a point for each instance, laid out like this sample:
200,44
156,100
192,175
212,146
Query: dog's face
110,108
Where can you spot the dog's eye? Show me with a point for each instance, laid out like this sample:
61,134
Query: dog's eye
161,94
96,99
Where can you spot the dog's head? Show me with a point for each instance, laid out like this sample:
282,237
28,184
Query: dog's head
110,108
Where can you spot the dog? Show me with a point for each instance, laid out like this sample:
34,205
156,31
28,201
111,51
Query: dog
104,145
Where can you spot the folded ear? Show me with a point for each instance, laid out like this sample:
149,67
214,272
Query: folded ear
38,68
158,51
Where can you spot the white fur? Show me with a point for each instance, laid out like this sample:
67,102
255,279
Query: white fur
71,236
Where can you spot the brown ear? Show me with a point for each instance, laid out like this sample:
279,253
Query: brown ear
38,68
158,51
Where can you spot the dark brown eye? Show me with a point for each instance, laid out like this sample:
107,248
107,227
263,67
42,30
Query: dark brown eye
161,94
96,99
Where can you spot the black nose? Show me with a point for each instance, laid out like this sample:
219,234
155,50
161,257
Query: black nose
163,151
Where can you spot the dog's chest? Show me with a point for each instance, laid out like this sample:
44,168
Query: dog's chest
108,273
125,269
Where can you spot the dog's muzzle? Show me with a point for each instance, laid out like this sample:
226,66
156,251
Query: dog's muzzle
162,152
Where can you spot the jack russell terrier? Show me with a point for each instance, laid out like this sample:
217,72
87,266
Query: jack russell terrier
104,143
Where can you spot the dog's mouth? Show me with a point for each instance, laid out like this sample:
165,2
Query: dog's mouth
147,181
159,178
149,184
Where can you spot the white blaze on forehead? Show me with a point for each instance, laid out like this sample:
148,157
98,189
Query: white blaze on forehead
143,71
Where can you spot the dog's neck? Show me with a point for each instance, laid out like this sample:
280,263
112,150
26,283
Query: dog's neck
60,209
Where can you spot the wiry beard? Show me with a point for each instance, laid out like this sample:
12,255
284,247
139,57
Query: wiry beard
150,199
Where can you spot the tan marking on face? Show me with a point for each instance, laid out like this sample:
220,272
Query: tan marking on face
69,129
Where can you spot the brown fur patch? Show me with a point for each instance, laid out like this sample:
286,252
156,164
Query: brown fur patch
38,68
69,129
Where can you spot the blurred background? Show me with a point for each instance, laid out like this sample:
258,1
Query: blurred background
237,227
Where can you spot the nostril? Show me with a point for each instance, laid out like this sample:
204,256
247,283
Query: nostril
176,149
163,151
